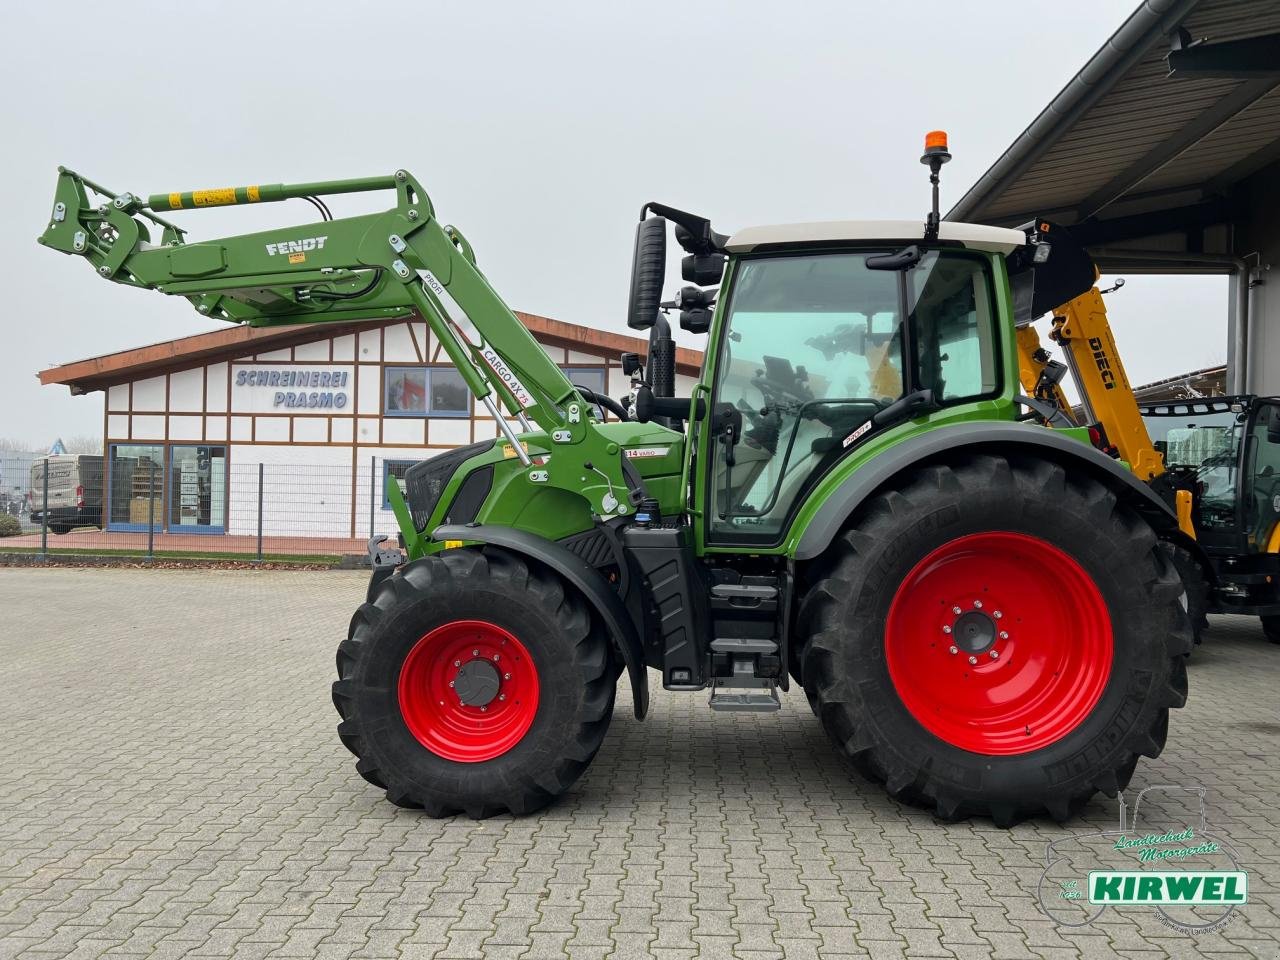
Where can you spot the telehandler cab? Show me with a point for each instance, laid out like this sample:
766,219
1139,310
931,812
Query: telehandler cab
978,608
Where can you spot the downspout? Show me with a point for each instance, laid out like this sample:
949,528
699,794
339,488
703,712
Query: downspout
1241,296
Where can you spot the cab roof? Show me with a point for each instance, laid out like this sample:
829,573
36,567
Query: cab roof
974,236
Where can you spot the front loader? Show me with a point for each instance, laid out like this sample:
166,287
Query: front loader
977,607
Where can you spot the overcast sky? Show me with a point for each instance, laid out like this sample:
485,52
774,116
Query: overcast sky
539,129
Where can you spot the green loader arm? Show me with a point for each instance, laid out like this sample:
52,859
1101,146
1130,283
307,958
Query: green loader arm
396,263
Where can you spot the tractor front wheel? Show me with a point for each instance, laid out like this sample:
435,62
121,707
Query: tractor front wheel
473,682
996,638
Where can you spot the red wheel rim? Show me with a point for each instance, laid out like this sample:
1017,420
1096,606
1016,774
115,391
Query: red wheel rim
468,691
999,643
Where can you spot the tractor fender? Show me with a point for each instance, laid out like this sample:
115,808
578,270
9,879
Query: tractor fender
979,437
590,583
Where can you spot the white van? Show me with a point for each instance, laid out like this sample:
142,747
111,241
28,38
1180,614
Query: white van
75,491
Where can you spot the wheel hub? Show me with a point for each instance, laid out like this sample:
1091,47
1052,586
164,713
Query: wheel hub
974,632
477,683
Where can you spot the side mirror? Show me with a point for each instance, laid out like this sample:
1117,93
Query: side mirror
648,266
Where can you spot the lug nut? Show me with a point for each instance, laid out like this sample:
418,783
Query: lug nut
451,683
956,610
506,676
977,604
997,614
484,709
502,696
973,659
1004,634
495,658
946,629
994,654
457,663
955,650
475,653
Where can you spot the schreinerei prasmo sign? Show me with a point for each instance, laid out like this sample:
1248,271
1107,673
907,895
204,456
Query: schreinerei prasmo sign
302,389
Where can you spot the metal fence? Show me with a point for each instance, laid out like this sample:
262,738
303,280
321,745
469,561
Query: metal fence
184,502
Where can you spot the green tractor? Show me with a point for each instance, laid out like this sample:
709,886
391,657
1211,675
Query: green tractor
978,608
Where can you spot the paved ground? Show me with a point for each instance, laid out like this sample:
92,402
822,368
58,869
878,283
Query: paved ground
172,785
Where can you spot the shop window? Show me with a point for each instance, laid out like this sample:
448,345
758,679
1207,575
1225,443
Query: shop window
425,392
135,486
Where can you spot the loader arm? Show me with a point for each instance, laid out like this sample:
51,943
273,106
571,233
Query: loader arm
400,262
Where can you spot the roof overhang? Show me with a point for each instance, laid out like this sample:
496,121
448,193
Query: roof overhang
1148,145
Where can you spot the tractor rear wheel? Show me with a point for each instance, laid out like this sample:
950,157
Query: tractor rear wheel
474,682
995,638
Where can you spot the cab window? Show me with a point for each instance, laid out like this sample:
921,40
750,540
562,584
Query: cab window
814,346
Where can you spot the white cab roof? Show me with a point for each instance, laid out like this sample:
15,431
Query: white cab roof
972,235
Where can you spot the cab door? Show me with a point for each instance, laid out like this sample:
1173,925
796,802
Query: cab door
1260,498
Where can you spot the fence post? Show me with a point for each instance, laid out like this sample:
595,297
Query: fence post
151,509
44,515
373,489
260,472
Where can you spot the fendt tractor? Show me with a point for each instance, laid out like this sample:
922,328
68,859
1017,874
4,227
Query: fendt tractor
1215,460
854,497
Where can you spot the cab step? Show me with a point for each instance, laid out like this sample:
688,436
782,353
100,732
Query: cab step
739,699
744,645
744,692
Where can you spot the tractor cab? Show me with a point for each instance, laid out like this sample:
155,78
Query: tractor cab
829,338
828,335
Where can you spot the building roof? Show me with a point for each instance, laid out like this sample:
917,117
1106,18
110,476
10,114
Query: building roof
1209,382
1146,141
971,235
228,343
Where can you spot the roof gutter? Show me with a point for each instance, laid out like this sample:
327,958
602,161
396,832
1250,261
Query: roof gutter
1146,26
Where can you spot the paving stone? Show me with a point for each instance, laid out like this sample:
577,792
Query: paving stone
204,807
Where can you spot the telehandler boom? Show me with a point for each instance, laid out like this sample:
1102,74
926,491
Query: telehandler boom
979,609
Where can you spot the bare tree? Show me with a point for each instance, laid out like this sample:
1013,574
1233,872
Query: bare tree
83,443
10,445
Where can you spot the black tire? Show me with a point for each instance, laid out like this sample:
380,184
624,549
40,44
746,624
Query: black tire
569,650
1271,627
1195,586
60,529
843,619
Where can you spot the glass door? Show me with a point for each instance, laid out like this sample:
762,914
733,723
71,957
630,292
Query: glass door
198,485
1262,497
